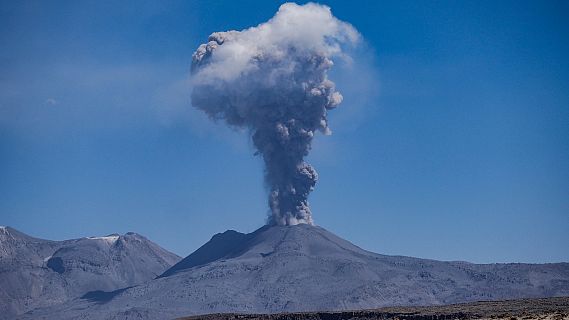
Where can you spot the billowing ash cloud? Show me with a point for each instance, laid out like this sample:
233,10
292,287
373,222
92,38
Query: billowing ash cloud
272,79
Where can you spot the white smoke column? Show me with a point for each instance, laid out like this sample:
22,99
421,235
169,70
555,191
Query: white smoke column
272,79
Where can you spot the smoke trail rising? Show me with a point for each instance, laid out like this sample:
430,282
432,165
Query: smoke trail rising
272,79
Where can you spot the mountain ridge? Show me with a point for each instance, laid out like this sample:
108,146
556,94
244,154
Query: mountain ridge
39,273
307,268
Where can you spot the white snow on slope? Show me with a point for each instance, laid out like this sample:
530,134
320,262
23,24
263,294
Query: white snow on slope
108,239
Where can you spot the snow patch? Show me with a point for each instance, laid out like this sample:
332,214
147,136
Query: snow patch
107,239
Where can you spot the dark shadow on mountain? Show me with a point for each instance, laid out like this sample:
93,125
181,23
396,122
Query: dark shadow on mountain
228,244
100,296
56,264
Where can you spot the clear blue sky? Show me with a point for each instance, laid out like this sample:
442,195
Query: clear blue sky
459,149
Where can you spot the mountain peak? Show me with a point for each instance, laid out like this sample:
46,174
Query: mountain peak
267,240
221,245
4,229
9,234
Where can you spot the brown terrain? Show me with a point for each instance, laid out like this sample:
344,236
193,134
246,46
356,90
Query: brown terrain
547,308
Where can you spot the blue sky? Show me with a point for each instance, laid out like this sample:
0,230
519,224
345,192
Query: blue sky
452,142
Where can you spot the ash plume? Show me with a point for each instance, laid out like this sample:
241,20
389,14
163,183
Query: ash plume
272,80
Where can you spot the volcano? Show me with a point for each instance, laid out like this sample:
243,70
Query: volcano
307,268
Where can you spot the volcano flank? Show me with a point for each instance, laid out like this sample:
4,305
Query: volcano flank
307,268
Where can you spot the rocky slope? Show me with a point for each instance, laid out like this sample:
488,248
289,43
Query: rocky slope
39,273
306,268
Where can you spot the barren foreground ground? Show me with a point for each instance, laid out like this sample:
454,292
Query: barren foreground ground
524,309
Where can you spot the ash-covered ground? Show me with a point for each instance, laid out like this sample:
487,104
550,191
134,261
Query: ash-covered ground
547,308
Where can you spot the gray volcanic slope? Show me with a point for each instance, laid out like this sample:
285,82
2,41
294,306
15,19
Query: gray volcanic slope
38,273
303,268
